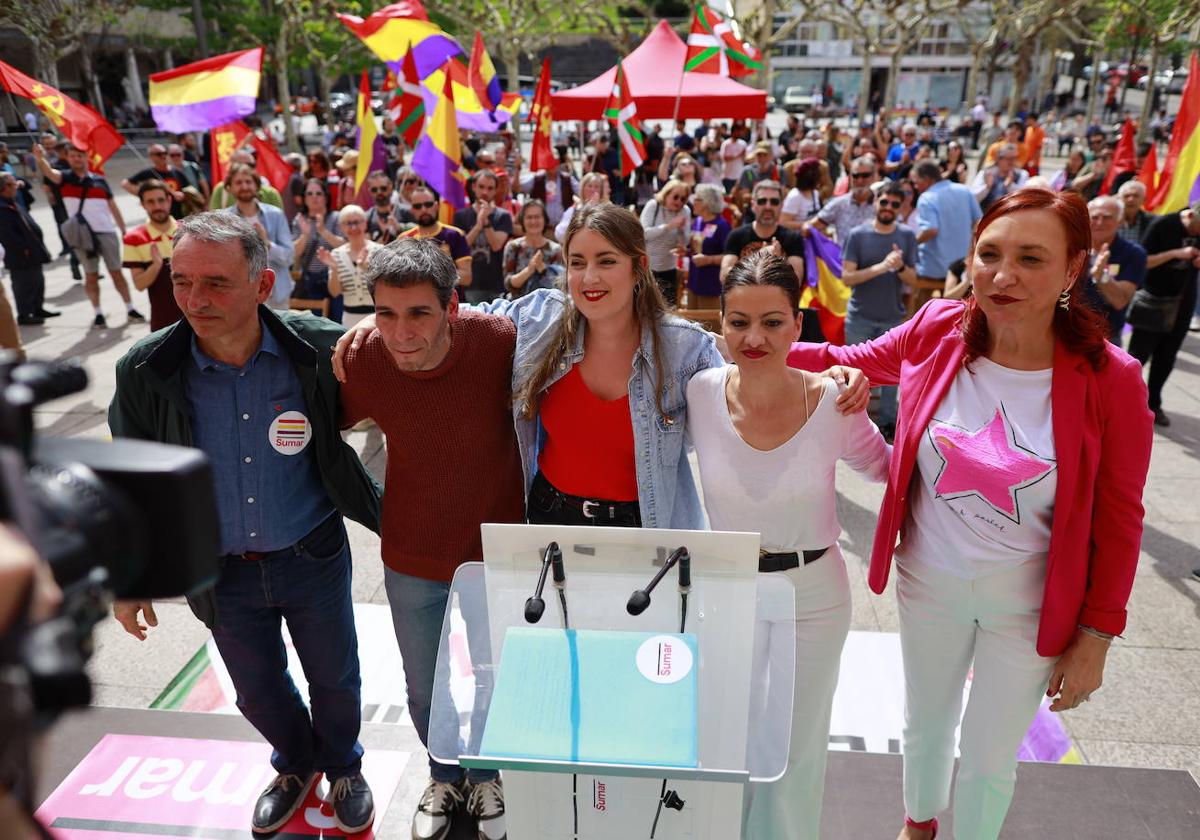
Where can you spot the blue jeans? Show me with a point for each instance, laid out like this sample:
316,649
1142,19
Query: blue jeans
307,585
418,611
858,330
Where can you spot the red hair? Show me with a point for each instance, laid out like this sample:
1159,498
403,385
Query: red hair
1080,328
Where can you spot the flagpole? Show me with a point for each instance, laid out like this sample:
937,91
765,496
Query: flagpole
133,149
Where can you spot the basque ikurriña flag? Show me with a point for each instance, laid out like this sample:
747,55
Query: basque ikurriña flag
714,48
407,108
622,111
207,93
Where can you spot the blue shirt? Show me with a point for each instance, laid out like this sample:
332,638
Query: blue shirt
896,153
1126,262
952,210
253,424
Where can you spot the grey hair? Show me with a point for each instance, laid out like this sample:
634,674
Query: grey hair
866,160
1133,184
408,262
221,226
766,184
711,196
351,211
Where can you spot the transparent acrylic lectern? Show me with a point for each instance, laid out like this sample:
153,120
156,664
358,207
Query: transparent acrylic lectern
740,629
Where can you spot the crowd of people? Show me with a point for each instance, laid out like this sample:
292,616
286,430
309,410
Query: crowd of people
988,302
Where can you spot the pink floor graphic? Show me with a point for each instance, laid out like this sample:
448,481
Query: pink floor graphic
133,786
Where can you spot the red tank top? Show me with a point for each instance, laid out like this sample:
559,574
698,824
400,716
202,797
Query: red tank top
588,450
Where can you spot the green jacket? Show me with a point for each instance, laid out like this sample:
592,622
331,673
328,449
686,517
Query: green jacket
150,403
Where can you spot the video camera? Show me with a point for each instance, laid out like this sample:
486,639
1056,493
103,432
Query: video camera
128,519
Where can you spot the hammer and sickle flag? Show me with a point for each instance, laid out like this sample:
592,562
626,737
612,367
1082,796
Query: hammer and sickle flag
83,127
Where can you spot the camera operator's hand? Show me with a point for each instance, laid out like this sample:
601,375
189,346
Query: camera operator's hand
22,572
126,612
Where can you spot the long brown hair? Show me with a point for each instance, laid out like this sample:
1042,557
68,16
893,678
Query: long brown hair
1080,328
624,232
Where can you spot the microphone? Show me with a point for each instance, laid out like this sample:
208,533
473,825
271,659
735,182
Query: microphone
640,599
535,606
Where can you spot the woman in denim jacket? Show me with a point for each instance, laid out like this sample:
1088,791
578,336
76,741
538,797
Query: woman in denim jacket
599,381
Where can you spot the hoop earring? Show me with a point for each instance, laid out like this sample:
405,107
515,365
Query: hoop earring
1064,300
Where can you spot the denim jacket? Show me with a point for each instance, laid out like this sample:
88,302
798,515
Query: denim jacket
666,491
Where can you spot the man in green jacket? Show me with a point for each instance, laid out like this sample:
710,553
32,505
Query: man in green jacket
255,391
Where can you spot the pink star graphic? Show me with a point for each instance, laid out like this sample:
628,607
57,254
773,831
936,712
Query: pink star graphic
985,463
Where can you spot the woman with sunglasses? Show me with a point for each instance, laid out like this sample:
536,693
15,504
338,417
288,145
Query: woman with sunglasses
599,379
314,228
954,166
757,425
666,219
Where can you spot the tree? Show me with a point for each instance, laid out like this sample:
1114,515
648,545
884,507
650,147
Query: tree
758,27
1026,21
983,29
57,28
907,29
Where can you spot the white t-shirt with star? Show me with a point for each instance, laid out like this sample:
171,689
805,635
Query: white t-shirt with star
984,500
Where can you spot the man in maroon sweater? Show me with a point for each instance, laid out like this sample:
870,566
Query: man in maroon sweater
438,384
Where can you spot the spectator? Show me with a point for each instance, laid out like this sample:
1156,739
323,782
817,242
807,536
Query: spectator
958,281
1090,180
24,254
293,193
878,260
555,187
1172,246
148,253
764,232
999,179
1065,179
1035,138
954,166
991,133
451,240
667,219
1117,266
160,169
347,263
763,168
855,208
407,180
311,230
804,201
1134,220
532,261
710,231
58,160
733,160
593,189
1013,136
687,170
903,154
267,194
487,229
191,170
605,161
244,186
90,196
946,216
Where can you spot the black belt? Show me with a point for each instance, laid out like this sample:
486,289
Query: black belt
781,561
600,510
315,535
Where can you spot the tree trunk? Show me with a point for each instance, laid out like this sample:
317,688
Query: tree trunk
282,92
91,83
973,74
1143,132
510,54
1093,87
201,28
864,84
1020,72
47,63
893,80
322,73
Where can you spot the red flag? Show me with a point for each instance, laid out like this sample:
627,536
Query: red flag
539,114
407,108
83,127
1124,158
1149,171
227,139
390,82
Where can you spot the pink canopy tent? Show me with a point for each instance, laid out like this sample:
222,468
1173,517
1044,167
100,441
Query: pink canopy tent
653,71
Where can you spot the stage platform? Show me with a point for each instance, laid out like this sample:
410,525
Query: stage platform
862,802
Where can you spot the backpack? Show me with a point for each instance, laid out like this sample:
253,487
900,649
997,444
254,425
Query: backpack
76,231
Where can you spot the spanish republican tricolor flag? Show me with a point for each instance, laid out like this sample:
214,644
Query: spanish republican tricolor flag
824,290
208,93
438,157
1179,183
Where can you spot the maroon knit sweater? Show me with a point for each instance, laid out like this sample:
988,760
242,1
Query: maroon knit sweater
452,456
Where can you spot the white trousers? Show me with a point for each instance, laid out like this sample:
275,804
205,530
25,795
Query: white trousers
791,807
946,624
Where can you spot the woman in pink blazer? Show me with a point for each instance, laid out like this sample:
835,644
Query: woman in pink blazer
1013,504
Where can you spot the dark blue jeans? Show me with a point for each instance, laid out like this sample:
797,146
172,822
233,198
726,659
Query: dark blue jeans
308,586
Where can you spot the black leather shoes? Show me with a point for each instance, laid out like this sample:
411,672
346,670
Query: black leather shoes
279,801
353,805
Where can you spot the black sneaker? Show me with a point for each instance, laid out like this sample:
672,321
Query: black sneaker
100,321
46,313
134,315
30,320
1196,574
279,801
353,805
1161,418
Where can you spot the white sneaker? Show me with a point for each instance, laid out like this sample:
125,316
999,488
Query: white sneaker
486,805
1195,325
435,810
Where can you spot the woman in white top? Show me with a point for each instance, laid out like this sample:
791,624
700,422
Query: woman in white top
346,264
768,441
804,201
667,220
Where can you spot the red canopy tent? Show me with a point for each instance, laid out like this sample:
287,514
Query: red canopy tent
653,71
